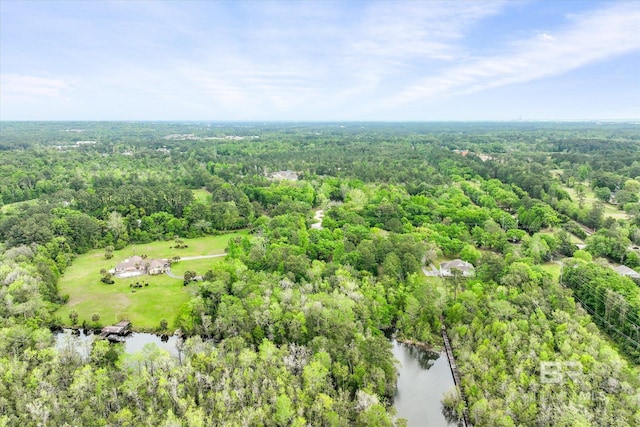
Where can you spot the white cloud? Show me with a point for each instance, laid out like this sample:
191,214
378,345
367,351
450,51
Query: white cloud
592,37
297,60
418,29
31,87
323,58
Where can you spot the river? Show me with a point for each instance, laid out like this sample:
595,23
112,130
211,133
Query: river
424,378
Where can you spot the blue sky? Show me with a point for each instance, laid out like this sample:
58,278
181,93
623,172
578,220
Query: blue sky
319,60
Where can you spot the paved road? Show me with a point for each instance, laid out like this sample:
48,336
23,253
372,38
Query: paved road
170,274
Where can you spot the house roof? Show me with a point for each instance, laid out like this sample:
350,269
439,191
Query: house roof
456,263
626,271
130,262
118,328
155,263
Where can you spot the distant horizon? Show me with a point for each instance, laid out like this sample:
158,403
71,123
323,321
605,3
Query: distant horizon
628,120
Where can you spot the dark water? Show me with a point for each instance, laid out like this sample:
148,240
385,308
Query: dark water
424,378
135,342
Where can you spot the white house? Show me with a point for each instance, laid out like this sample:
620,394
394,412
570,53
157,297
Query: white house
138,266
156,266
466,268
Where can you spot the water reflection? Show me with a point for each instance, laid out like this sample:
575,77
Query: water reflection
71,340
425,358
424,378
136,341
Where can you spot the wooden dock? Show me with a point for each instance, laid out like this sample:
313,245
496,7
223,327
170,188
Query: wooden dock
116,332
466,422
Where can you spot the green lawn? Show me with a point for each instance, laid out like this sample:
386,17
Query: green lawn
553,230
164,298
590,198
614,212
201,195
553,268
200,266
208,245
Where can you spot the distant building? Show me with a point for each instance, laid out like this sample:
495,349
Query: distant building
623,270
466,268
285,175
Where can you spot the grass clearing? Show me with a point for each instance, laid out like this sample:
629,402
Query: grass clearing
553,268
164,298
202,195
208,245
614,212
590,198
200,266
552,232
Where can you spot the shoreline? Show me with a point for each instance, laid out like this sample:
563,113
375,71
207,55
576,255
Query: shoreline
419,344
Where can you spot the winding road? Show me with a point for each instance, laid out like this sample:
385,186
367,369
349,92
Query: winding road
318,218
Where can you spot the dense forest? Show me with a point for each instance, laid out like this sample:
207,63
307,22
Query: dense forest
293,327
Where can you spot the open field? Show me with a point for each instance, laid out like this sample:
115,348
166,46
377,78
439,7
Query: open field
208,245
553,230
202,195
553,268
164,298
200,266
590,198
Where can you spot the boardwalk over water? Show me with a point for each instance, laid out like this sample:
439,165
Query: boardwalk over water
117,332
456,376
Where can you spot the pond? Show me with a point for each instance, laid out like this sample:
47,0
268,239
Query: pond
424,378
133,343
